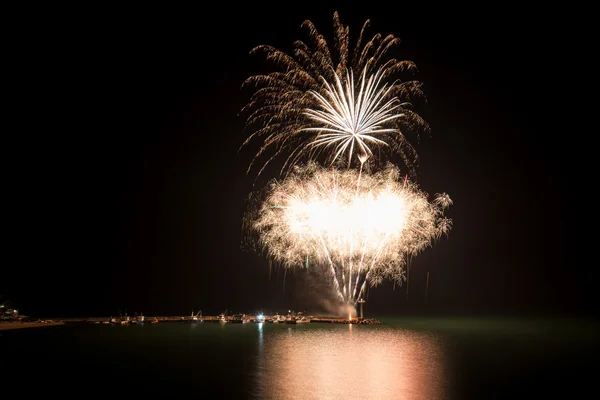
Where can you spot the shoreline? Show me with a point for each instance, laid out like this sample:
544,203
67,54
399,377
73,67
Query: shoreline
11,325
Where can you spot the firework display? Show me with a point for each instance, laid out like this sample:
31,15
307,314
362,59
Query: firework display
334,107
335,118
360,228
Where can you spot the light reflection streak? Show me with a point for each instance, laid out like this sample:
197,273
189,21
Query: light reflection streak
260,365
351,363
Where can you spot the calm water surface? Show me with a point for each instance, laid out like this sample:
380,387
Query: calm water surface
410,358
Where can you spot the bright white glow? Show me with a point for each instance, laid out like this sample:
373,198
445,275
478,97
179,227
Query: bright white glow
360,227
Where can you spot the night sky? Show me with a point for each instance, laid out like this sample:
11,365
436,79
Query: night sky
128,190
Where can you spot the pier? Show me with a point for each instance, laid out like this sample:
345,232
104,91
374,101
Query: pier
9,325
173,319
229,318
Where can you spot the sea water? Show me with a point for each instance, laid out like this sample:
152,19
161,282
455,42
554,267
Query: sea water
404,358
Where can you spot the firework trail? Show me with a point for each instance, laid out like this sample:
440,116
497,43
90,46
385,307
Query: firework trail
361,231
333,107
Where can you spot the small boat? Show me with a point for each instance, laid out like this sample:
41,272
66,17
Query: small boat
298,318
195,318
154,320
240,319
222,318
278,319
138,319
122,319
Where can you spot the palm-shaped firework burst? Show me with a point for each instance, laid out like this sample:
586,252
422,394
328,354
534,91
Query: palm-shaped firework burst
333,105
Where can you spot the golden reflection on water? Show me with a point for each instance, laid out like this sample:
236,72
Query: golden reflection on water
350,362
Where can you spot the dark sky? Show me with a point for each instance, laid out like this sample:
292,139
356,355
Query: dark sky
128,189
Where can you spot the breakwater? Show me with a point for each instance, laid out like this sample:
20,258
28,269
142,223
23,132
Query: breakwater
179,319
